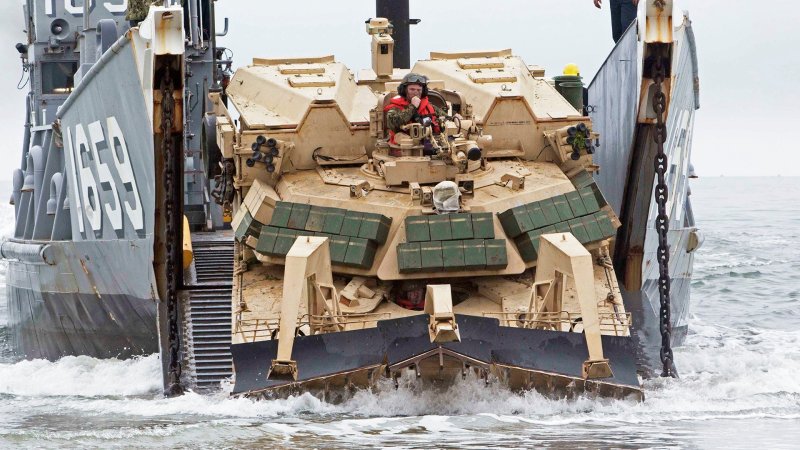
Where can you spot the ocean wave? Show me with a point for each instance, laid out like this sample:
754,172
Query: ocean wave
730,261
215,405
725,373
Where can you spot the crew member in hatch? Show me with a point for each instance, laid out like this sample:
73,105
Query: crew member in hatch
410,105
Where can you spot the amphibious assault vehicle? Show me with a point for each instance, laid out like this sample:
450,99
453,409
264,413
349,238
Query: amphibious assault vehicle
481,244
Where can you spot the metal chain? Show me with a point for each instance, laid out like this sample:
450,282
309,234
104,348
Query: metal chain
662,219
224,190
171,197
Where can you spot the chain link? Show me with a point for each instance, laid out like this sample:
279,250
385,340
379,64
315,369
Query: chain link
171,198
224,189
662,219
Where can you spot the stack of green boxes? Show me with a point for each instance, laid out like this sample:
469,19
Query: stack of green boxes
354,237
578,212
451,242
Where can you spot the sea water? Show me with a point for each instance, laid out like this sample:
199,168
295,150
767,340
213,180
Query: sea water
739,385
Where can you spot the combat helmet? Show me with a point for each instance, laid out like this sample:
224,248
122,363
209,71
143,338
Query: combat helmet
413,78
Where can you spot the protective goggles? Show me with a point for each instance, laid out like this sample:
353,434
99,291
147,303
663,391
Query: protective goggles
416,79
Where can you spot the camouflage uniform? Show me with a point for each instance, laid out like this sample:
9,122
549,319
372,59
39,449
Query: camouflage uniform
396,118
137,9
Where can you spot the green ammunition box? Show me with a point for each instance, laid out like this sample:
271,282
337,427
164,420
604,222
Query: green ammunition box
316,218
537,215
440,227
360,253
461,226
579,231
528,245
299,216
284,241
496,257
431,254
549,211
352,223
562,207
280,217
375,227
548,230
408,257
266,239
563,227
453,255
417,229
606,227
592,228
338,248
582,179
248,227
576,204
598,195
255,228
483,225
244,226
474,254
516,221
334,217
589,200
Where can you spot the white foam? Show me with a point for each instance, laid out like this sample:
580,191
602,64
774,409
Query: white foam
725,373
81,376
218,405
438,424
469,397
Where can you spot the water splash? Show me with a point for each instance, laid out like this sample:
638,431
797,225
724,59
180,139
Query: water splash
81,376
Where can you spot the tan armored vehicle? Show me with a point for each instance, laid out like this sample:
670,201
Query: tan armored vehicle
471,244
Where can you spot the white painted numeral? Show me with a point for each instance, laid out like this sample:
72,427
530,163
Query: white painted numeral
89,192
116,8
104,174
76,10
123,162
74,186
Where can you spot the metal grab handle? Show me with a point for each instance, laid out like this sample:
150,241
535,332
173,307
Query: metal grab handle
225,31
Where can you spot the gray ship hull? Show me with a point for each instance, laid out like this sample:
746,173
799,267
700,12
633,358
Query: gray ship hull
81,277
82,298
53,325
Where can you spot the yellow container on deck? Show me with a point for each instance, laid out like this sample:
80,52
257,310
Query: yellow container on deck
188,253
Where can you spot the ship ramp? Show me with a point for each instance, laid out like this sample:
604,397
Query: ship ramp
207,312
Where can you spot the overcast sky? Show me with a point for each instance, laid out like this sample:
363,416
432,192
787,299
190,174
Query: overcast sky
749,57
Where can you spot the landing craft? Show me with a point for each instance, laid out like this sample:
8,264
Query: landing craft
100,207
512,237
